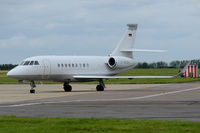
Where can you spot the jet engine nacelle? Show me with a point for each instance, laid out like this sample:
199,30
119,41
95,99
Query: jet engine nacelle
120,62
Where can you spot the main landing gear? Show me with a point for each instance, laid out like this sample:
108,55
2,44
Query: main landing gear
67,87
101,85
32,84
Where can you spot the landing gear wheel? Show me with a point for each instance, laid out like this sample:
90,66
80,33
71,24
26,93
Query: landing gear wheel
100,88
67,88
32,91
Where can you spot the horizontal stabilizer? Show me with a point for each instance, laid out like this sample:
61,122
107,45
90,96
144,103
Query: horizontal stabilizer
143,50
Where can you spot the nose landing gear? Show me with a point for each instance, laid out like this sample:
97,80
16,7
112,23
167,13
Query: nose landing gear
32,84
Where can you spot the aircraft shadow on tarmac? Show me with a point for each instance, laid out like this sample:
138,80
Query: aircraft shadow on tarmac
89,90
74,91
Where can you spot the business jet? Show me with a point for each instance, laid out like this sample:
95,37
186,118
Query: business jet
68,69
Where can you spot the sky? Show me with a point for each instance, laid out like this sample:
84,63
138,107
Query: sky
94,27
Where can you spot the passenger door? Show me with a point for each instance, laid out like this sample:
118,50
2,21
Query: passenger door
46,69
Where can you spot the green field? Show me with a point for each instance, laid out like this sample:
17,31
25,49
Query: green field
134,72
12,124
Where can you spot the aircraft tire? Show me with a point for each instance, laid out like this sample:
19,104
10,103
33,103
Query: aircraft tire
67,88
32,91
100,88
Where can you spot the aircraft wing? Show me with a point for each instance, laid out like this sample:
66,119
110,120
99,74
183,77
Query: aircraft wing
119,77
126,77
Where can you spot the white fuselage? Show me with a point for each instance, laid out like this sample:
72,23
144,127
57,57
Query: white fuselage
79,68
63,68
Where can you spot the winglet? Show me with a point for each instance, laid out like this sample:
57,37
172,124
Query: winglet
181,73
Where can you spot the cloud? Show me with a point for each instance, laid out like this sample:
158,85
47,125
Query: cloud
88,27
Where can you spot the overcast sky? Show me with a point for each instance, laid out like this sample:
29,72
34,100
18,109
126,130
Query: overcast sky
94,27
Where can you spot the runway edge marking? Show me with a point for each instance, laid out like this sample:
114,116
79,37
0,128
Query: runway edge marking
120,99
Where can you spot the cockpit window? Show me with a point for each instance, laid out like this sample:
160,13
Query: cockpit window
27,62
36,63
32,63
22,63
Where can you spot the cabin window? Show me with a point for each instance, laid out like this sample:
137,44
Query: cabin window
76,65
69,65
72,65
36,63
27,62
83,65
58,65
65,65
62,65
32,63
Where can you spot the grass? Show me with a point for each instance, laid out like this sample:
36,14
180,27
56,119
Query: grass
134,72
152,72
12,124
6,80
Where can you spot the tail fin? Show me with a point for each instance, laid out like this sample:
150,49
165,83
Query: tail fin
125,47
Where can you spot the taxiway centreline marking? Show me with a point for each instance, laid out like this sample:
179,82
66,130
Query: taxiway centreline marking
120,99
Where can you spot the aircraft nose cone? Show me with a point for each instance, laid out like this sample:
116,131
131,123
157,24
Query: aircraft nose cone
10,73
13,73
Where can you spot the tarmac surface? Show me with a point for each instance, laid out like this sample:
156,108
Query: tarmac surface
143,101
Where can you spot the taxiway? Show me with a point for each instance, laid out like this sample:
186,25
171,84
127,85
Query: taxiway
143,101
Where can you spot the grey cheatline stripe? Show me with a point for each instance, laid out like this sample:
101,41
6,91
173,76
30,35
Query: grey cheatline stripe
120,99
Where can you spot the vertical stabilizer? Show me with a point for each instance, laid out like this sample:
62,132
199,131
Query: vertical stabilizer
125,46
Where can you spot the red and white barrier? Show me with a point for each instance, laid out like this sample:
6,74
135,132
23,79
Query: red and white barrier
192,71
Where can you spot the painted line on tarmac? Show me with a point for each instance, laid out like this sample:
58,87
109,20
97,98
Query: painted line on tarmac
101,100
